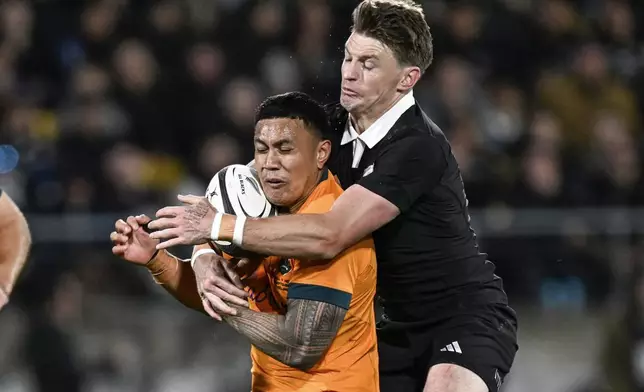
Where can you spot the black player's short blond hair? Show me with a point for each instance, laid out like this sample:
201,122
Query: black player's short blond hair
399,24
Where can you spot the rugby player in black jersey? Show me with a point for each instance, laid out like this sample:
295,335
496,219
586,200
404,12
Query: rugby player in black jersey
447,326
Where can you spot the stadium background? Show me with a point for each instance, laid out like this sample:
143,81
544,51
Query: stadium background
115,106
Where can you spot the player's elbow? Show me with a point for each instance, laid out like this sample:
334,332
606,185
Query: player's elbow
329,249
303,360
330,243
308,351
14,227
24,233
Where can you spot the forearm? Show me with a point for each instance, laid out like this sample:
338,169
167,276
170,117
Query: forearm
356,214
177,278
297,339
304,236
15,242
265,331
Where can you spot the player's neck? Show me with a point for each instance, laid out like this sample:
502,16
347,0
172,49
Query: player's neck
363,120
305,196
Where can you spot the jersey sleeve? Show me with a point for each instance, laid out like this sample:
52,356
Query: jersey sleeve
405,169
331,282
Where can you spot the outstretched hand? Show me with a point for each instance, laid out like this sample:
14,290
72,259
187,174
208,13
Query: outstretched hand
189,224
130,240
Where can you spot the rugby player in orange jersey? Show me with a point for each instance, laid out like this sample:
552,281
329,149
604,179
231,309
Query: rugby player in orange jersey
311,326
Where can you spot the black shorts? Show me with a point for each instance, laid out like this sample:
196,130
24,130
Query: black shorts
483,341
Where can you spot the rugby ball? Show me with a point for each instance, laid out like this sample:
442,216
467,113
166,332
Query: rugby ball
236,190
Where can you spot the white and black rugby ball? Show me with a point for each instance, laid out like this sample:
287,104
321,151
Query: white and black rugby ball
236,190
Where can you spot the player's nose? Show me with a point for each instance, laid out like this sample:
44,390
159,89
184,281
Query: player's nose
349,71
272,161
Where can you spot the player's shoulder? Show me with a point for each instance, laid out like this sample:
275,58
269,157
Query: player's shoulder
320,204
415,125
360,258
324,196
362,253
416,134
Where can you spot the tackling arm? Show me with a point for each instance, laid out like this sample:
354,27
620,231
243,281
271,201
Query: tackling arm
15,242
406,170
297,339
357,213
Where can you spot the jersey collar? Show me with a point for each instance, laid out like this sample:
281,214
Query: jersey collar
381,127
323,186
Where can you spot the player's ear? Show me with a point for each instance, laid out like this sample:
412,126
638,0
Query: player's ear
410,76
324,152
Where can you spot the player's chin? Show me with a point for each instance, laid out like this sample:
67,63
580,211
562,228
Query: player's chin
278,195
279,198
349,103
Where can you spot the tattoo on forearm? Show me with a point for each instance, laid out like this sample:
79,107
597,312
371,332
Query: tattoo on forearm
299,338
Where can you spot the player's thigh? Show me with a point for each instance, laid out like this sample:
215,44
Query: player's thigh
400,381
484,345
447,377
398,369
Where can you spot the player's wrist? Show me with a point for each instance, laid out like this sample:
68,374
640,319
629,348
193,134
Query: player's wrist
238,230
157,261
223,227
153,257
198,254
215,230
164,267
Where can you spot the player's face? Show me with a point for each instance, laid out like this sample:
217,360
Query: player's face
288,159
371,76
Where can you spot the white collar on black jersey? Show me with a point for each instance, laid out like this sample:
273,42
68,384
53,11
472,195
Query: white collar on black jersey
381,127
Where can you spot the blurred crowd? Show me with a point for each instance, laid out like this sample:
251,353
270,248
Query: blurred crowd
118,105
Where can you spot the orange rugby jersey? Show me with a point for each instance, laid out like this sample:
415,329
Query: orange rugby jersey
351,362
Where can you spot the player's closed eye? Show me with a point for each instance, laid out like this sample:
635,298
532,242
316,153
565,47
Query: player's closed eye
282,150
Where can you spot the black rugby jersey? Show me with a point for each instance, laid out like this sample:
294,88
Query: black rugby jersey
429,263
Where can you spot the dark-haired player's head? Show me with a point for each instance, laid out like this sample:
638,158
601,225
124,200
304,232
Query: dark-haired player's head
291,148
390,47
